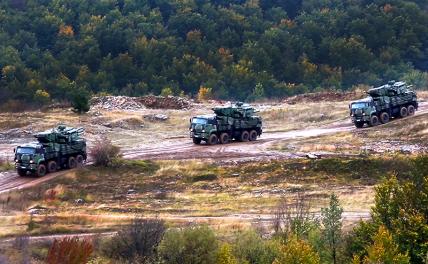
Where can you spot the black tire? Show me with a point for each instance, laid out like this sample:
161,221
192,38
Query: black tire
245,136
22,173
79,161
52,166
224,138
253,135
403,112
410,110
71,163
196,141
374,120
213,139
384,118
41,170
359,124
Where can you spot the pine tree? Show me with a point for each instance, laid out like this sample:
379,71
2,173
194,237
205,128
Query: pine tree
332,225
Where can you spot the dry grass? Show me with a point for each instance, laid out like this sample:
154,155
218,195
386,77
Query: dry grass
288,117
163,189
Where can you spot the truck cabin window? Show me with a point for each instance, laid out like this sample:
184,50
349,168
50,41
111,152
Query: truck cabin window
358,105
201,121
25,151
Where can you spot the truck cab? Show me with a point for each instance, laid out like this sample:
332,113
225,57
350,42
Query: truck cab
28,157
201,127
361,111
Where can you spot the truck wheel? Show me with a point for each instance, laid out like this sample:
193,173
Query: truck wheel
359,124
197,141
22,173
411,110
71,163
384,118
41,170
374,121
224,138
253,135
213,139
245,136
52,167
79,161
403,112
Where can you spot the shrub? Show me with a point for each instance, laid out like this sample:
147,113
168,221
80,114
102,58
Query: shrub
296,252
69,251
190,245
204,93
225,255
137,241
251,248
41,97
80,101
167,91
104,153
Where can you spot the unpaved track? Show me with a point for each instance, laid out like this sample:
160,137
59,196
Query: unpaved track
182,149
258,219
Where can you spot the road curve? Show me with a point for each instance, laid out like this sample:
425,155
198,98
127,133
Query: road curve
181,149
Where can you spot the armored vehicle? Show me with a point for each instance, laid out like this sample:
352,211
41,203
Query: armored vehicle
391,100
60,147
237,121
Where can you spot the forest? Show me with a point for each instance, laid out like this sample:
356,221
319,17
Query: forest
52,50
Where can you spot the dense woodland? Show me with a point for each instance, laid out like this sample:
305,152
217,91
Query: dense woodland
235,49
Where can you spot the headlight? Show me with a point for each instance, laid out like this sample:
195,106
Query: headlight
364,113
31,161
203,130
16,160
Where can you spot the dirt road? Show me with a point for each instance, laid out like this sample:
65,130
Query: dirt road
183,148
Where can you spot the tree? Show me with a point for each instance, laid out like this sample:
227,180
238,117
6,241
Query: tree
385,250
331,218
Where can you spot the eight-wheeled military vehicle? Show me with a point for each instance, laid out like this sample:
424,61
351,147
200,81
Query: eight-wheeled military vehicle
237,121
60,147
391,100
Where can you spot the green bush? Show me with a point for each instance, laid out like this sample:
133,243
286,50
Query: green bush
191,245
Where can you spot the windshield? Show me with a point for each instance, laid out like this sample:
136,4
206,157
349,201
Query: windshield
201,121
25,151
358,105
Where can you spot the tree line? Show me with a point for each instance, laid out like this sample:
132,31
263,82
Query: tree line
57,50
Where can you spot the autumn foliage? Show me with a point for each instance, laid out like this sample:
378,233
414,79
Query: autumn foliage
69,251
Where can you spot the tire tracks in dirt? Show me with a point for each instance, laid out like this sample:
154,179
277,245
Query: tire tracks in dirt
184,149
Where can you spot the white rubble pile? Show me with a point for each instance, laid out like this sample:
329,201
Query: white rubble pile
116,103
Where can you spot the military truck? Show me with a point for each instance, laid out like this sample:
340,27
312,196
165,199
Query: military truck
237,121
60,147
391,100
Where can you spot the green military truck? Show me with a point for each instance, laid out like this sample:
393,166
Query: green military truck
237,121
391,100
61,147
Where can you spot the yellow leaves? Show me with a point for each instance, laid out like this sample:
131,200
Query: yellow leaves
194,35
225,256
65,30
297,251
204,93
384,250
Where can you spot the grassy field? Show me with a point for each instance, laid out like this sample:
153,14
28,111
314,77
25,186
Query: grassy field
95,199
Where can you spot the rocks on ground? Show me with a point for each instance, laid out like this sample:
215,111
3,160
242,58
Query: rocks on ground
156,117
139,103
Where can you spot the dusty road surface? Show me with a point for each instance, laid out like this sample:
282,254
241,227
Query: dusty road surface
182,148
